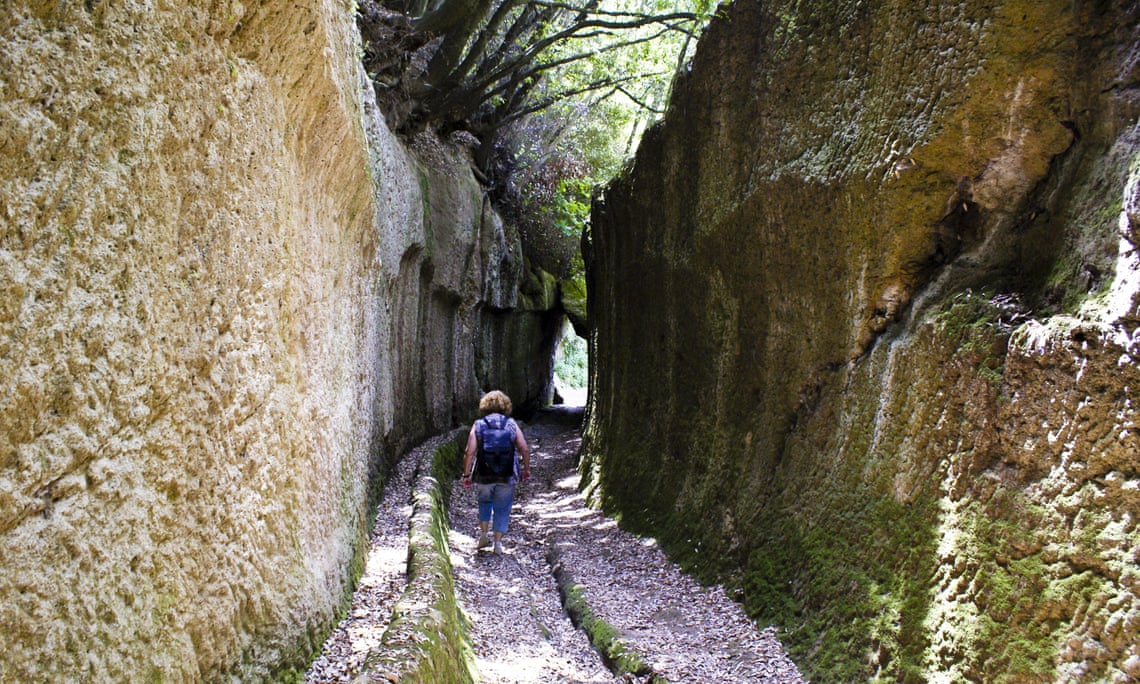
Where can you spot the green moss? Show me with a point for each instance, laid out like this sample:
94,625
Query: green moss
1012,640
1084,233
538,290
572,293
972,325
427,639
1070,285
289,675
446,466
965,315
619,657
850,604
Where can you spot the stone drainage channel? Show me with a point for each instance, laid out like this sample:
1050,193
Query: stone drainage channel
573,598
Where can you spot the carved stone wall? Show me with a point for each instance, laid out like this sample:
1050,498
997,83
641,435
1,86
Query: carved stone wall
865,315
229,298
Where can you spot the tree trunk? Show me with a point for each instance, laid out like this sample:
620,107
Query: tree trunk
457,21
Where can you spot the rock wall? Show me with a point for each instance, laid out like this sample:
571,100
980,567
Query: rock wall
865,334
229,298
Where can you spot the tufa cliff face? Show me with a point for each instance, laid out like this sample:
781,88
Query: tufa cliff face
865,314
229,298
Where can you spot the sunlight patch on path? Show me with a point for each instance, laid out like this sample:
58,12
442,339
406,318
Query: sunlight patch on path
382,583
520,633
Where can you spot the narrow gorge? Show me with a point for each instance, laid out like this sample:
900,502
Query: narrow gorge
863,316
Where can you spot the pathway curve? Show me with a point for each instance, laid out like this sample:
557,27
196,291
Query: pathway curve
683,631
521,635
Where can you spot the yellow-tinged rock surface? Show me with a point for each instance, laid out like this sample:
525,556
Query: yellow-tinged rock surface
220,321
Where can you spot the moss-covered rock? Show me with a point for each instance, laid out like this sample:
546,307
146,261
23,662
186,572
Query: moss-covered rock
818,376
572,295
618,655
426,641
538,290
230,297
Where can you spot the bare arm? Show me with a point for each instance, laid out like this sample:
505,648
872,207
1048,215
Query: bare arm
524,449
469,454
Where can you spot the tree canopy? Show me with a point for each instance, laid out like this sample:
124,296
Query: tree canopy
556,92
484,64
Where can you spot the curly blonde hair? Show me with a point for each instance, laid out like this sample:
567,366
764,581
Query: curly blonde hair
495,402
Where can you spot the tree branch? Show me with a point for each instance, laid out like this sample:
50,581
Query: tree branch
593,10
637,101
533,51
536,70
549,100
478,48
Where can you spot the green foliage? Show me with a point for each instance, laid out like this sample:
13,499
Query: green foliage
571,364
572,205
603,88
557,93
569,206
621,83
490,63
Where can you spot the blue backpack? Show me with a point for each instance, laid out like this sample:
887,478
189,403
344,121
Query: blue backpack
496,456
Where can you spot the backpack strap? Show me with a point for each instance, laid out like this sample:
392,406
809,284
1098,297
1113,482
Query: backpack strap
485,422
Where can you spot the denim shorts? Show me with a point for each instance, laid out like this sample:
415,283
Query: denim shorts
495,501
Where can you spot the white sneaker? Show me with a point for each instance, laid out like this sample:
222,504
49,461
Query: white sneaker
483,542
498,547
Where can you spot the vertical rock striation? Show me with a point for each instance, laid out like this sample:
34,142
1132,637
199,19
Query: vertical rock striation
865,334
228,298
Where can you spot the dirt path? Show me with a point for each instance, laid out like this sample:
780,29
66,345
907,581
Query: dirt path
684,632
520,633
383,580
681,631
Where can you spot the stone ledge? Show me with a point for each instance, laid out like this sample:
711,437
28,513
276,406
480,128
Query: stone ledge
427,639
619,656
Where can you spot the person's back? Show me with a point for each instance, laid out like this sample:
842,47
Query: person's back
491,461
495,455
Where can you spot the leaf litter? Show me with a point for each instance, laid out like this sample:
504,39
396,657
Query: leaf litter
683,631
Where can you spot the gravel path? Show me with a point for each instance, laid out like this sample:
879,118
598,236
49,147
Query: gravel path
385,575
521,634
683,631
518,628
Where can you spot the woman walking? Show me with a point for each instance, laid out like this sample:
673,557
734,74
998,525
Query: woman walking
491,461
